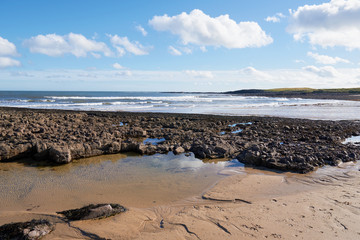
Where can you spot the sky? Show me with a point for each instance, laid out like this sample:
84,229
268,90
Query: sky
161,45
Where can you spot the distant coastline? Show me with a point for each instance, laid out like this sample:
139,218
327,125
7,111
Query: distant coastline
352,94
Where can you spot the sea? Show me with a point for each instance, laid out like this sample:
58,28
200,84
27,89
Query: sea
176,102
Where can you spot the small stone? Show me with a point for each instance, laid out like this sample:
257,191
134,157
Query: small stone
179,150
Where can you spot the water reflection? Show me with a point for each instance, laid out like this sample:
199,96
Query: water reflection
354,140
154,141
129,179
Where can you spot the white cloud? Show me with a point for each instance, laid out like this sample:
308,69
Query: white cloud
123,74
174,51
201,29
8,49
255,73
8,62
275,18
122,44
324,59
199,74
96,55
180,50
142,30
117,66
335,23
121,51
326,71
203,49
55,45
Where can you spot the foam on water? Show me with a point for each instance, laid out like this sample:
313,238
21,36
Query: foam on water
204,103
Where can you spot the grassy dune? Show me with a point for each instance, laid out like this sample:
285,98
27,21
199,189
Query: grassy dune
313,90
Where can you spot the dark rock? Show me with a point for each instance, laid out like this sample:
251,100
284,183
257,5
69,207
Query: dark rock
137,132
93,212
33,230
287,144
60,154
5,151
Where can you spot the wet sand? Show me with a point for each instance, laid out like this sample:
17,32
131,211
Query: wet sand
248,204
132,180
320,206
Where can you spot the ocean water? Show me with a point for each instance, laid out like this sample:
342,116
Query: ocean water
204,103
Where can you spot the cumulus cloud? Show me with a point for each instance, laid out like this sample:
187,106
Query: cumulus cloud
324,59
8,50
335,23
123,45
326,71
275,19
201,29
8,62
117,66
142,30
199,74
76,44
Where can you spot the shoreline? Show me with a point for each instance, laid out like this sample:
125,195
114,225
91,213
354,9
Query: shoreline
239,206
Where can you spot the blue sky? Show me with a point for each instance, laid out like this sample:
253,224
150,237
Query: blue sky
178,45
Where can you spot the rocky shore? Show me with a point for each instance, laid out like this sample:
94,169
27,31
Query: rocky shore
58,137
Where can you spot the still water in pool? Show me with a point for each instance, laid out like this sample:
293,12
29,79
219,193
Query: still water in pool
131,180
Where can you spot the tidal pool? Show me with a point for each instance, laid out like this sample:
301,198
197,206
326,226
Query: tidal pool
353,140
130,180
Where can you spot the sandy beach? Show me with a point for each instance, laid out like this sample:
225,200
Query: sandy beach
258,205
328,209
285,190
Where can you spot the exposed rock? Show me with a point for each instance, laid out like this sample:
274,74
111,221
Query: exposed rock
60,154
5,151
179,150
287,144
93,212
33,230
